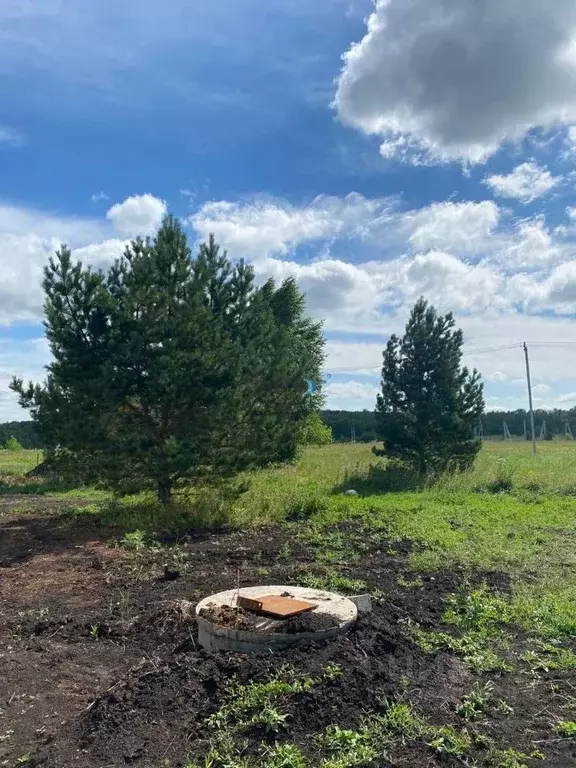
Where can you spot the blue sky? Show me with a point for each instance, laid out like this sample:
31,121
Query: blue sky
378,152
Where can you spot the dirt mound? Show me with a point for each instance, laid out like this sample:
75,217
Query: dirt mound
307,622
160,708
235,618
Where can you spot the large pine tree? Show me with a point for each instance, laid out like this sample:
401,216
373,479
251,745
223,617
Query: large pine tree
430,404
169,369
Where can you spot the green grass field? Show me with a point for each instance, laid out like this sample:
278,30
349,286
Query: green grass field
513,512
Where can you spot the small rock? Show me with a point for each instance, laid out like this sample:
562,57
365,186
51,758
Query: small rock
351,493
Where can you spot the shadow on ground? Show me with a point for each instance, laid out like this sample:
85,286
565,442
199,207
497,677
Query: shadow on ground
41,526
33,486
380,478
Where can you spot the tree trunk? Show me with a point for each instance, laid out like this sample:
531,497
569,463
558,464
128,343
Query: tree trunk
164,491
422,466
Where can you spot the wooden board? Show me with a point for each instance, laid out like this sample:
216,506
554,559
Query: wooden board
275,605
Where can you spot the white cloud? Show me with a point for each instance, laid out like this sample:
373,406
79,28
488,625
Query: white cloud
27,239
454,79
269,226
368,254
137,215
529,246
266,226
358,357
558,289
541,389
448,282
10,136
525,183
568,398
20,221
363,264
471,258
571,138
99,196
25,359
462,226
351,395
22,259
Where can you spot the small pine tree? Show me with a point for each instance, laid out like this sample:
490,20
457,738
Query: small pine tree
315,431
169,369
429,405
13,445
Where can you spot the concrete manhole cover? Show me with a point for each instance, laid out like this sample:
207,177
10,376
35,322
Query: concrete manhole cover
223,625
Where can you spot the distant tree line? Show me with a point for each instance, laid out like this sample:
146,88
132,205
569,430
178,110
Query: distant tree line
363,424
518,422
23,431
345,423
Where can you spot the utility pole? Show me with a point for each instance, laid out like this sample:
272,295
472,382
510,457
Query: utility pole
533,430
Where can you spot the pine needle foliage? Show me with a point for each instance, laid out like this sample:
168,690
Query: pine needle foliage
170,368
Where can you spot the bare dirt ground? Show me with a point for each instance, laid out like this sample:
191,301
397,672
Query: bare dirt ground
99,666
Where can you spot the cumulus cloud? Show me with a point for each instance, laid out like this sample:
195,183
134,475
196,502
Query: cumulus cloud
462,226
362,263
268,226
450,282
530,245
453,79
364,254
541,389
27,239
525,183
558,289
26,359
22,259
568,398
505,279
137,215
265,226
351,395
330,285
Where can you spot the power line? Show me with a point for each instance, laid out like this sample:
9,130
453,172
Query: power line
550,343
467,353
355,368
491,349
